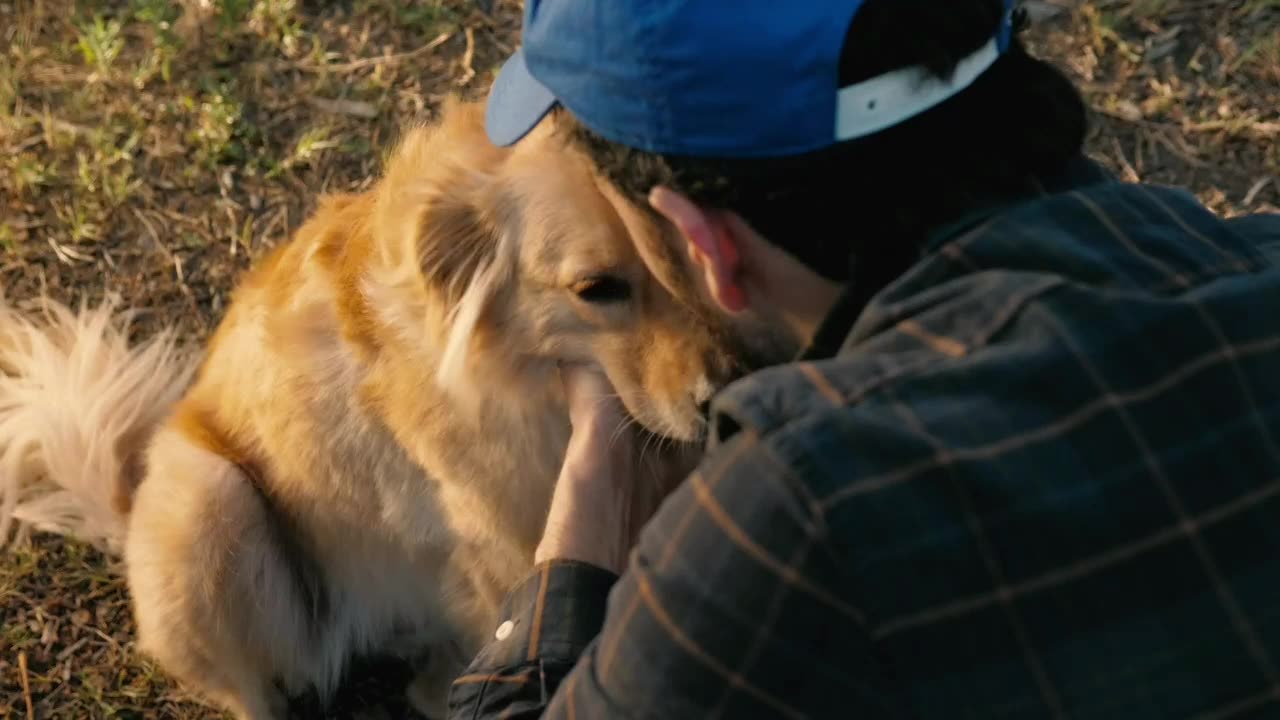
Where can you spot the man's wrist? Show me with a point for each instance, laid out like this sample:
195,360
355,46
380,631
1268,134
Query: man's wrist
582,535
603,445
589,518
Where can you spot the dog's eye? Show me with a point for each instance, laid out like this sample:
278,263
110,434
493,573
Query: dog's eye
602,289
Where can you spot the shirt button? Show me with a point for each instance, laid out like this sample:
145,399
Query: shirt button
504,630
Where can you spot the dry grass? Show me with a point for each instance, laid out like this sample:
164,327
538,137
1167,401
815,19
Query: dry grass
154,153
1185,92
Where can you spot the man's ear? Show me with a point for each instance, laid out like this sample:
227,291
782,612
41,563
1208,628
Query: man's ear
711,243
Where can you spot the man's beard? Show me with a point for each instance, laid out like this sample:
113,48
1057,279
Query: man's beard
753,343
759,342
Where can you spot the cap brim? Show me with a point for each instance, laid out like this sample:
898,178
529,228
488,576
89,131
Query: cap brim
517,103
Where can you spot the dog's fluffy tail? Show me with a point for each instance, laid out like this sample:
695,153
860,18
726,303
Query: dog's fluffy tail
78,405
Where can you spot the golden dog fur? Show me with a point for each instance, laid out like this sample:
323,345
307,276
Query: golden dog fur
365,457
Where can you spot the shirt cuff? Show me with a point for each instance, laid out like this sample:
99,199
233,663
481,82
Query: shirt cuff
554,614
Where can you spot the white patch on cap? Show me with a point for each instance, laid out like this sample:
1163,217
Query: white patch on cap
886,100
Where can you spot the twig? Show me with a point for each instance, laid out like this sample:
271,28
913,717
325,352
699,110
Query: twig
29,143
26,685
179,218
61,125
110,640
1169,143
235,237
1257,188
1130,174
1231,126
468,56
265,240
1264,129
195,224
71,649
440,39
354,108
173,258
1129,117
67,255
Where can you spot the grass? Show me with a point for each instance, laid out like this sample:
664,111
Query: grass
100,43
154,149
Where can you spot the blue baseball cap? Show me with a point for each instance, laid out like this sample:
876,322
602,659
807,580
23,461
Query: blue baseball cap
737,78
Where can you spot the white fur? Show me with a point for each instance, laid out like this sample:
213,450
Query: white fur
73,393
462,325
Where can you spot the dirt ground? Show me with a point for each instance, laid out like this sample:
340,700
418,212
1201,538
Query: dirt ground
153,154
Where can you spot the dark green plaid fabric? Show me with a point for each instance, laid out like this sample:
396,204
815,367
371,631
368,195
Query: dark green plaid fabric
1039,478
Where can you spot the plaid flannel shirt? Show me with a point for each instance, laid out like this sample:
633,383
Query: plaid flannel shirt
1036,477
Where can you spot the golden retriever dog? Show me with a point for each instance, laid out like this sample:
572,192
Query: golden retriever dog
362,458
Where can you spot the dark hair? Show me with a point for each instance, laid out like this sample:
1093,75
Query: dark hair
870,202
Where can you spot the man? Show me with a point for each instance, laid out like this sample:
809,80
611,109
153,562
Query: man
1028,463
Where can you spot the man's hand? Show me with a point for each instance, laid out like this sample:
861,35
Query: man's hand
607,491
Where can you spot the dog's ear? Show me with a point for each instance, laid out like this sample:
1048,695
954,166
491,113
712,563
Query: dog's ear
440,198
455,243
443,201
463,256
